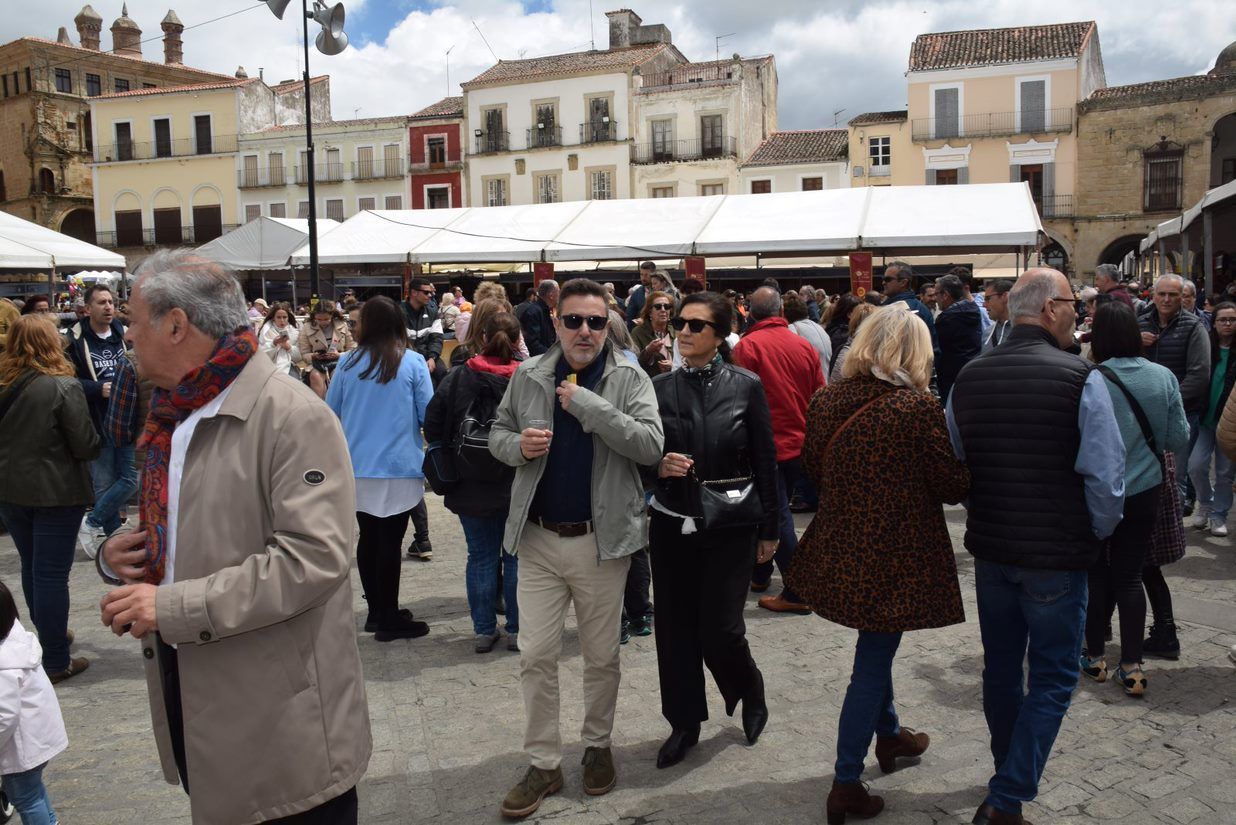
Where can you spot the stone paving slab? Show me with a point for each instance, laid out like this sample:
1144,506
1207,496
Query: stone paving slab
448,723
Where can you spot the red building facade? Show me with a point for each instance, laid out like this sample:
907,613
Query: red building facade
435,155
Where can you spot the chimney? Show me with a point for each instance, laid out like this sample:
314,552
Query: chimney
241,74
126,35
89,25
62,37
623,23
173,50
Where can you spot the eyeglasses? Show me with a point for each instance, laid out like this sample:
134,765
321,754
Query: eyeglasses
663,307
1225,321
696,325
888,278
596,323
1069,300
428,292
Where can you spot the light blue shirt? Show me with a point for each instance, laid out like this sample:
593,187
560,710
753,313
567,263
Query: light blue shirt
982,305
1100,457
382,422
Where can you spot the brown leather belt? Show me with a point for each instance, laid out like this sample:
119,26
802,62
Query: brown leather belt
564,529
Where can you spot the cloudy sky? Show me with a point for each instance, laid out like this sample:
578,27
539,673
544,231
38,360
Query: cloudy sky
835,58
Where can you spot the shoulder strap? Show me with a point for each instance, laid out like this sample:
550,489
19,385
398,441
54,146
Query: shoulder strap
845,424
15,390
1138,412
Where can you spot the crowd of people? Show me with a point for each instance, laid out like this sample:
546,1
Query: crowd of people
599,452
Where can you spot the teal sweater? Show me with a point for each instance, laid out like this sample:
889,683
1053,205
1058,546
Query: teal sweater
1158,394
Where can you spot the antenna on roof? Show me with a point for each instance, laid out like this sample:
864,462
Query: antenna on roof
836,118
592,32
718,40
448,70
482,34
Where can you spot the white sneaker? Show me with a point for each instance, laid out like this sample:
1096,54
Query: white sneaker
86,534
1200,519
1218,528
1231,654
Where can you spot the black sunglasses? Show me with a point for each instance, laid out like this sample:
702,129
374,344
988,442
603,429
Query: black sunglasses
596,323
663,307
696,325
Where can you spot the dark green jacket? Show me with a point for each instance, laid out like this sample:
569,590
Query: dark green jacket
47,442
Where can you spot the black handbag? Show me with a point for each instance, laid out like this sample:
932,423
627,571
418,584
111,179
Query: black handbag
728,502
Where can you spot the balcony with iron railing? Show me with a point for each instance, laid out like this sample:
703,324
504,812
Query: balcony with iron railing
158,149
322,173
163,236
598,131
489,142
1054,206
257,177
994,124
688,75
544,136
377,169
453,165
671,151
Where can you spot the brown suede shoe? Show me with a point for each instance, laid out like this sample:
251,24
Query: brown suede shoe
599,774
851,798
527,796
779,604
75,667
987,815
908,743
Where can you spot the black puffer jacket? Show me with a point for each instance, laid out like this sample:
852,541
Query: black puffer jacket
450,403
720,418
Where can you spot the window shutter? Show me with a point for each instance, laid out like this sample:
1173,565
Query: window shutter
1015,173
947,112
1049,180
963,174
931,177
1033,105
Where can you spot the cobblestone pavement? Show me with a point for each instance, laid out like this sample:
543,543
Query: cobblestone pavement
448,723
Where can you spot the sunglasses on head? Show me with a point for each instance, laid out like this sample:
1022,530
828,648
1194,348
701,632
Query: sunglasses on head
596,323
663,307
696,325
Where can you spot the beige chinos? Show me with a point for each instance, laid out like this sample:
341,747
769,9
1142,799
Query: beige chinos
553,573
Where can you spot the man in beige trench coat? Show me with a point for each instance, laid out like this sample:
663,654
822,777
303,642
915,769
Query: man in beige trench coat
241,598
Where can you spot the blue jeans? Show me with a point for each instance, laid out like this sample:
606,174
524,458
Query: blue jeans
484,537
787,476
115,479
868,706
1042,612
46,539
1219,497
28,795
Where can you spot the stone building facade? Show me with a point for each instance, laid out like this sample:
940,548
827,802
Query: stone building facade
45,127
1146,152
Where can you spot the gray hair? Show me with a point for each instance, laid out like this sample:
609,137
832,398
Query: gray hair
1109,271
1030,293
1171,276
952,285
546,288
904,271
205,290
1088,294
765,303
1186,284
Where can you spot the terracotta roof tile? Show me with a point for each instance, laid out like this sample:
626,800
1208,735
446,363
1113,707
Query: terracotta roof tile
296,85
1156,90
879,117
446,107
985,47
505,71
168,90
42,41
808,146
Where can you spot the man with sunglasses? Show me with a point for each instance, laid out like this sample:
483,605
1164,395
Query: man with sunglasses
424,326
576,424
897,280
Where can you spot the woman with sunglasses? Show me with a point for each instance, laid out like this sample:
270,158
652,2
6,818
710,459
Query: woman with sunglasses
653,337
717,426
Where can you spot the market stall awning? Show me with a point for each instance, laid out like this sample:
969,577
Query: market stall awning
900,220
263,243
27,245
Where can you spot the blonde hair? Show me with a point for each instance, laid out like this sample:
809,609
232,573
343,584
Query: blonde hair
34,343
488,289
856,317
892,345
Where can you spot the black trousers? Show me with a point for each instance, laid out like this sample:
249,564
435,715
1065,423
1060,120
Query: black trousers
342,810
635,602
379,553
1116,579
420,523
701,583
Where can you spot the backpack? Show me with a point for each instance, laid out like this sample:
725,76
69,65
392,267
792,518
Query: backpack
473,460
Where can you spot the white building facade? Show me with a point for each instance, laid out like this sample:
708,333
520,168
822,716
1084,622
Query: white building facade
358,165
797,161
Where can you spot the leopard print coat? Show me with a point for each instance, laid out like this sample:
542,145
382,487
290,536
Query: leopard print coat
892,569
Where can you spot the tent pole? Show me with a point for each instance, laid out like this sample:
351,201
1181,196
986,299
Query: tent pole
293,272
1208,242
1162,257
263,285
1186,271
51,283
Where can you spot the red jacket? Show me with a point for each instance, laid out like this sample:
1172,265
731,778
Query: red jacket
789,369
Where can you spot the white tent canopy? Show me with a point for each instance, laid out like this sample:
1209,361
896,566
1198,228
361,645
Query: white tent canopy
26,245
902,219
262,243
1175,226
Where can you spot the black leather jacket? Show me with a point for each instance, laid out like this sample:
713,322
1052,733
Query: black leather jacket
721,420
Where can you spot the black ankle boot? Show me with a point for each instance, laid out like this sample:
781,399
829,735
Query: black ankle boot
1162,642
754,711
675,748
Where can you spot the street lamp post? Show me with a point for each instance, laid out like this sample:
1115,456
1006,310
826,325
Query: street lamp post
330,41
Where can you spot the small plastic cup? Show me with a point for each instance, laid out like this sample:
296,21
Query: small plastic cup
539,424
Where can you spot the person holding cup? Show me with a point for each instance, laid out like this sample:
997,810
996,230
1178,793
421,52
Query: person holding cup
653,336
717,429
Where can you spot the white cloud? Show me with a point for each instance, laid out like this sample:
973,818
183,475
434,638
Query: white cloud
844,54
